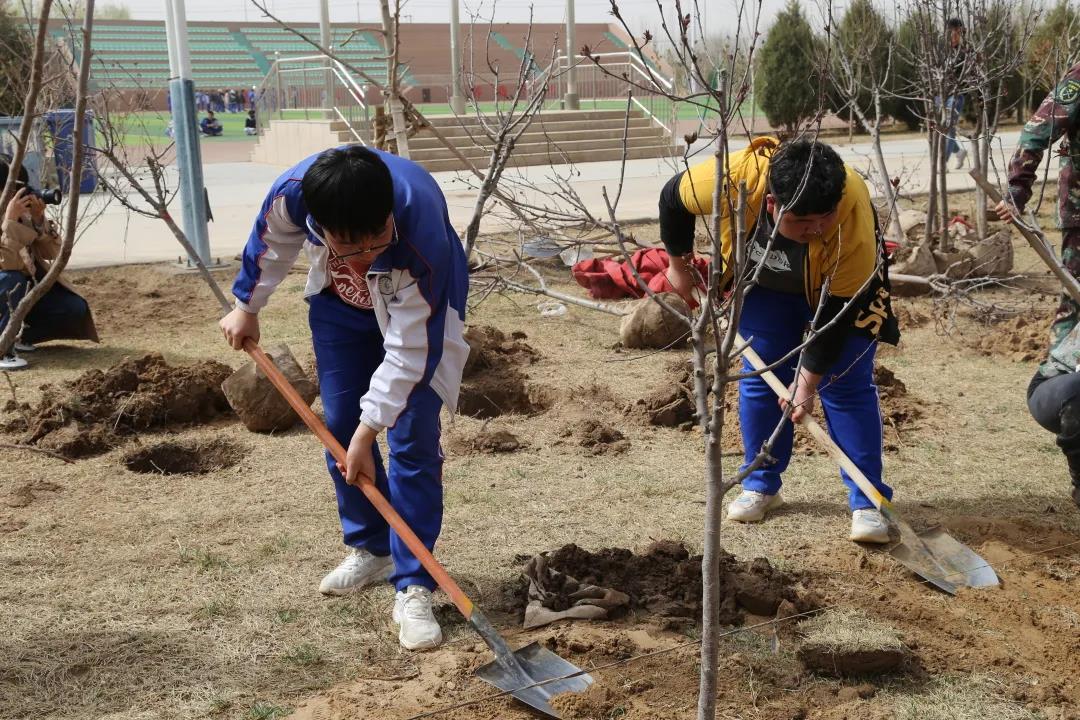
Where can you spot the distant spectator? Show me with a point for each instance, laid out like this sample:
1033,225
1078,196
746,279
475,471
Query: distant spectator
251,98
28,243
210,125
250,128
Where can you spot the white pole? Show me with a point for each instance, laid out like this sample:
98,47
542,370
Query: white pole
180,29
186,133
170,39
324,40
571,99
457,102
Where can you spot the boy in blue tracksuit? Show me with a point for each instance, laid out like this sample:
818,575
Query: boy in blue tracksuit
386,294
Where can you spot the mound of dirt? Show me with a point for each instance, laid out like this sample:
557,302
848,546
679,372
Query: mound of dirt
910,315
491,350
1020,339
899,410
599,438
672,405
492,383
89,415
486,442
184,458
665,580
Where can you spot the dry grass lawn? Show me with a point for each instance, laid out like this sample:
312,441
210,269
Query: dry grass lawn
129,596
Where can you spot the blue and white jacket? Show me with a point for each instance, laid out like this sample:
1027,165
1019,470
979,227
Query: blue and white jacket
418,286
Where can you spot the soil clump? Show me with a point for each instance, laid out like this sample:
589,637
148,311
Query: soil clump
184,458
1020,339
486,442
599,437
665,580
493,383
672,405
92,413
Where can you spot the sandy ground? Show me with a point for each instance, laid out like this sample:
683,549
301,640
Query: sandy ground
133,595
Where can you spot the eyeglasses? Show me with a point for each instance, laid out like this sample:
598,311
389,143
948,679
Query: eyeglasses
367,251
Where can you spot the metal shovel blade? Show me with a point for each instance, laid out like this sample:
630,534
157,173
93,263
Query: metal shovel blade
942,560
534,664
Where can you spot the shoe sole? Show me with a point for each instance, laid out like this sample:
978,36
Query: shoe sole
421,646
774,504
875,540
340,592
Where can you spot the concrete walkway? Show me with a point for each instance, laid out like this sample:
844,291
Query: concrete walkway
237,190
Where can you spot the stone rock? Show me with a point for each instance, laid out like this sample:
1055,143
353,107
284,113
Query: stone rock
258,403
650,325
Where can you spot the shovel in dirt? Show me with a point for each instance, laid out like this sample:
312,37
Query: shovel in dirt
934,555
532,674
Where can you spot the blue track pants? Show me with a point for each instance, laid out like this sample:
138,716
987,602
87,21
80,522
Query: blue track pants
776,321
348,349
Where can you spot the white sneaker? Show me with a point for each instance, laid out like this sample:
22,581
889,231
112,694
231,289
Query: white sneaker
751,506
23,347
412,611
869,526
12,362
358,570
961,156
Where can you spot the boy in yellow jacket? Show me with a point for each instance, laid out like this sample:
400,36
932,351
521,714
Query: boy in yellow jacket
810,223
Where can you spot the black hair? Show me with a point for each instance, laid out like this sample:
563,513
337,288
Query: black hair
954,24
807,177
5,163
349,192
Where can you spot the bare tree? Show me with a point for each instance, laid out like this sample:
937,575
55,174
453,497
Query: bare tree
862,76
392,91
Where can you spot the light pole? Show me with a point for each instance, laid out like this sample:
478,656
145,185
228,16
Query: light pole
185,131
457,102
571,99
324,40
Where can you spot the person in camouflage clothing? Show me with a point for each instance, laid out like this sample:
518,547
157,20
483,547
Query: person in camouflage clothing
1054,392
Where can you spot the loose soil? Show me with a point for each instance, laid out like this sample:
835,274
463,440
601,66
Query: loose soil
665,580
1021,339
599,437
92,414
184,458
671,404
493,382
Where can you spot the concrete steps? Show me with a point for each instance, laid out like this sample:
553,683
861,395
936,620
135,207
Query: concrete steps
554,137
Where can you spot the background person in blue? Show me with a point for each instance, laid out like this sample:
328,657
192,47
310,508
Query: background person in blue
386,294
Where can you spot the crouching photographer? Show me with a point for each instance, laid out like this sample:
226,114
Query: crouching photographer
28,243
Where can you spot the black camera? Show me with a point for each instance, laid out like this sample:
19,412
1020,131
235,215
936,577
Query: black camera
49,197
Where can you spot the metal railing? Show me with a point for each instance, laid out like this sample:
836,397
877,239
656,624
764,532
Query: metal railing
314,86
617,73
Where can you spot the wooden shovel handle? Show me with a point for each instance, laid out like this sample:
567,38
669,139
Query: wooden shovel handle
819,433
367,485
1037,242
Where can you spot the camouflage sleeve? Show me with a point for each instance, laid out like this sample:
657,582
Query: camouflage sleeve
1046,126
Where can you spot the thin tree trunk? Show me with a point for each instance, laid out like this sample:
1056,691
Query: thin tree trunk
18,315
715,489
932,197
390,46
29,107
945,244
